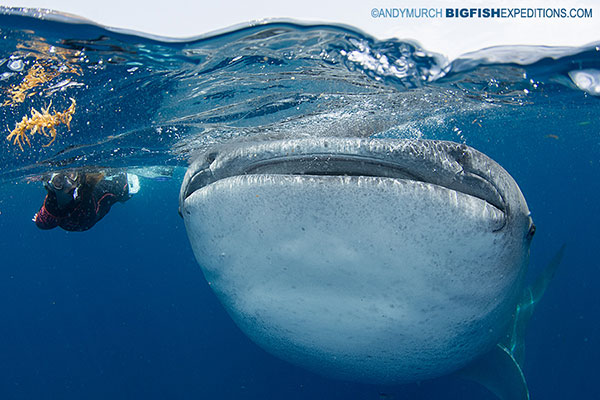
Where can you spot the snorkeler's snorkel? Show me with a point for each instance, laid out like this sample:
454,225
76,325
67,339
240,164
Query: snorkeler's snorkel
64,186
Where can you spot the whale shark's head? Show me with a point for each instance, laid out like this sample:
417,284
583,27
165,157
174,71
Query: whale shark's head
371,260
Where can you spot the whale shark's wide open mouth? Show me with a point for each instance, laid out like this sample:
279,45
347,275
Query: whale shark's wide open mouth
449,165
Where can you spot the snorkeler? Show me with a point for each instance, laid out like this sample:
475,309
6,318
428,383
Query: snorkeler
76,201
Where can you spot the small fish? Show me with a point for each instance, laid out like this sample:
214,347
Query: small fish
551,136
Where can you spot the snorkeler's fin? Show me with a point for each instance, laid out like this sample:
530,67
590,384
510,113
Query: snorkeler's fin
499,372
133,182
156,172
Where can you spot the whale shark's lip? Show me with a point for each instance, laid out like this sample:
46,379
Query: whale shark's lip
450,165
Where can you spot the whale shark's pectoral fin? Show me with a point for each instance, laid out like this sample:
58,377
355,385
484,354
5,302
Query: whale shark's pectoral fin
539,287
515,340
499,372
500,369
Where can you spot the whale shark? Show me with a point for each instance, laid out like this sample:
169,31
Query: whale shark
371,260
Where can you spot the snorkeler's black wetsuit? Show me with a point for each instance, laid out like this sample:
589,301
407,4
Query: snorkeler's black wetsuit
93,203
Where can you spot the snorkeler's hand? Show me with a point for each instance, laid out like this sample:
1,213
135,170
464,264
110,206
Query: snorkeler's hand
44,220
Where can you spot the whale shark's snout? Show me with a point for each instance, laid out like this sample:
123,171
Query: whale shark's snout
371,260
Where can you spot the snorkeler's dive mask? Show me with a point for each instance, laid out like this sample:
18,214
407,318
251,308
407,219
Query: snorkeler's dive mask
65,186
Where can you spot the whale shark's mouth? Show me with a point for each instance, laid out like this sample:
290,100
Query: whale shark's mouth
448,165
311,164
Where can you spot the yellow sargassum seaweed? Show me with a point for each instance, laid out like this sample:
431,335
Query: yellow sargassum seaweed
39,122
39,73
36,75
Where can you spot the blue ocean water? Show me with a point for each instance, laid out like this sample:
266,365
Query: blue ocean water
123,310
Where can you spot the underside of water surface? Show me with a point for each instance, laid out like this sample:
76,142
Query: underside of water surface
136,100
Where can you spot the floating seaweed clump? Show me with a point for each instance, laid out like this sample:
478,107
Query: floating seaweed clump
39,122
39,73
36,75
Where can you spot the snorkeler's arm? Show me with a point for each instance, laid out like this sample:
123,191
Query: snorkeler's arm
113,189
44,219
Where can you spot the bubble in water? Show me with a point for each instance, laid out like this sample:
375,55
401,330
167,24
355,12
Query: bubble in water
16,65
4,76
587,80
